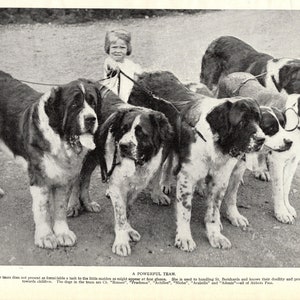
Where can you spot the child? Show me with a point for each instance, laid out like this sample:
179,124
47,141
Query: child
118,46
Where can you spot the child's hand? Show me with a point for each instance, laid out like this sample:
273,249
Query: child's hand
112,72
112,68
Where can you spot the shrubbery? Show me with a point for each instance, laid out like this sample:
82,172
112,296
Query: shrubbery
71,16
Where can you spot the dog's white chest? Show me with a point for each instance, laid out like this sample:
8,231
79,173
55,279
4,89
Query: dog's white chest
64,166
135,176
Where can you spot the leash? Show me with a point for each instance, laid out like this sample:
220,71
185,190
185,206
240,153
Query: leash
52,84
114,164
38,83
151,94
297,126
237,90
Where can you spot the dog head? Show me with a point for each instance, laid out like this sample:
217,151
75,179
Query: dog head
272,123
138,133
142,134
71,110
289,77
235,124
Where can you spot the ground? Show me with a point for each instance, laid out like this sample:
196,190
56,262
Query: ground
58,54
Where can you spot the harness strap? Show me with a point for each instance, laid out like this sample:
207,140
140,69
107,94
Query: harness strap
237,90
297,126
151,94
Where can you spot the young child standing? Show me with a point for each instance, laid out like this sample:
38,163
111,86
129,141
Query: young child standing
118,47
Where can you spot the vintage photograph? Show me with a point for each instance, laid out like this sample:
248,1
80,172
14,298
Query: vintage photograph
149,137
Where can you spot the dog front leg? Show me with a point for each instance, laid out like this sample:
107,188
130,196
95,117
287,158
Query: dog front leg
74,206
156,190
277,166
216,190
124,233
289,173
184,194
64,235
167,174
230,197
44,236
80,197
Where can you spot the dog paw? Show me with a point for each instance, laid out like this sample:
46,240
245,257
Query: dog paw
121,248
236,219
161,199
166,189
185,244
92,207
74,210
262,175
121,244
67,238
134,235
47,240
284,216
219,241
291,210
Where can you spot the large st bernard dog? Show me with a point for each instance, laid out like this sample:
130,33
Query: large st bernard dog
132,144
282,161
228,54
221,132
52,133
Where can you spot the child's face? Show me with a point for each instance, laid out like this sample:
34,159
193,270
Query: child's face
118,50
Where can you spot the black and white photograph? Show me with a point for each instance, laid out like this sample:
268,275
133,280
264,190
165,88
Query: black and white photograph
150,137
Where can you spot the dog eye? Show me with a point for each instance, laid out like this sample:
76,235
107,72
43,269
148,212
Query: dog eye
77,101
124,128
74,105
243,123
91,101
139,132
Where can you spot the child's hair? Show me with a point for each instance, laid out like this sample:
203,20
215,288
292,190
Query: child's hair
113,35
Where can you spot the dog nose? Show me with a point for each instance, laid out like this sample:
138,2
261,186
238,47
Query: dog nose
89,122
260,140
288,142
124,148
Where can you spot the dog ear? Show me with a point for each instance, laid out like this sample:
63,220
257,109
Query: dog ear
85,80
218,119
112,123
163,131
286,74
52,105
280,115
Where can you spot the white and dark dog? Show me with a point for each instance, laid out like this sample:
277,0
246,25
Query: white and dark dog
228,54
282,153
52,134
132,144
220,133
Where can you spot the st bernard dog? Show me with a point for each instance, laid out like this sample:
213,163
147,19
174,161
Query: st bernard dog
52,133
221,132
132,144
282,154
228,54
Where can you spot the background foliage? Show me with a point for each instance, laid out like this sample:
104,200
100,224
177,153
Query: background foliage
72,16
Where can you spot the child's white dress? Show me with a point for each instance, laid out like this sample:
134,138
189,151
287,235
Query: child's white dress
121,85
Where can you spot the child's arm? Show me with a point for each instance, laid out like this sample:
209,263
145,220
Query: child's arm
111,67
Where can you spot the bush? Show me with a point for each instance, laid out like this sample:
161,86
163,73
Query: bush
72,16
